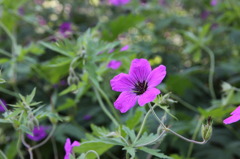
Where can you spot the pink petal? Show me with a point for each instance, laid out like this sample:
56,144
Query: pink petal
67,156
139,70
67,146
236,111
121,82
148,96
114,64
75,143
156,76
125,48
125,101
231,119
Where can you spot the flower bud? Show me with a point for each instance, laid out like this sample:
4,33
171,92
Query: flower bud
206,130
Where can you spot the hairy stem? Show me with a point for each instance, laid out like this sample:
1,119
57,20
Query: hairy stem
19,146
104,108
3,156
109,103
46,139
143,124
173,132
27,146
94,152
211,71
194,137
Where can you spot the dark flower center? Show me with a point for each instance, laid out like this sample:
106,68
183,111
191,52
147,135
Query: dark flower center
140,87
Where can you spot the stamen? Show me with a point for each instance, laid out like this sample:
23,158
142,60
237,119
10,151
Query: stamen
140,87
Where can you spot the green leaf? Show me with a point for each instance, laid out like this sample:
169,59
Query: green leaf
131,151
4,60
55,47
68,104
99,131
11,150
154,152
2,81
25,129
146,138
49,114
82,156
4,121
29,98
120,25
134,120
165,108
130,133
99,147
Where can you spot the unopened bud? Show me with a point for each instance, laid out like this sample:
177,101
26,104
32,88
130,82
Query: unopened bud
207,129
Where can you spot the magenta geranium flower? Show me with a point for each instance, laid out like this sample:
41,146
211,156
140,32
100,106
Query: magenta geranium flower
65,29
124,48
235,116
214,2
2,105
114,64
119,2
68,147
138,85
39,133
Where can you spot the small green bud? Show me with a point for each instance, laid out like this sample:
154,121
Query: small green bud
206,130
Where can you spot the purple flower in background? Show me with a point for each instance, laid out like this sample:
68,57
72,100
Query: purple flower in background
41,21
39,2
235,116
2,105
138,85
114,64
87,117
124,48
205,14
39,133
21,11
110,51
65,29
119,2
214,26
143,2
214,2
162,2
68,147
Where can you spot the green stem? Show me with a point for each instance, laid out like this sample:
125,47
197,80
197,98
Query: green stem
5,53
3,156
127,155
211,71
184,103
6,91
107,100
154,140
155,115
109,103
173,132
229,96
194,137
104,108
143,124
94,152
46,139
19,146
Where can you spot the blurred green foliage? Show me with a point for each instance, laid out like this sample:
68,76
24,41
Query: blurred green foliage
201,53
